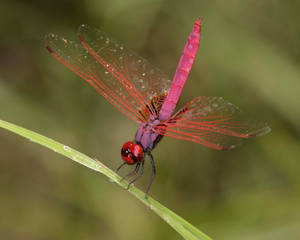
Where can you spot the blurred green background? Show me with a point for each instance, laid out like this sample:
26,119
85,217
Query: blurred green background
249,54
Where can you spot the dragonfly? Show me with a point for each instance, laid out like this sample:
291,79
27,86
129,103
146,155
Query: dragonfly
146,95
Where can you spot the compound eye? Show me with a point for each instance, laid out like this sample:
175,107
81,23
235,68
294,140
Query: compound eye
132,153
137,152
126,153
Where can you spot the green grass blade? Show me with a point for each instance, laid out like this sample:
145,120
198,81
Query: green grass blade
185,229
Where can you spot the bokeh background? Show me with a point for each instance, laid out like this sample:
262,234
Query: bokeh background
249,54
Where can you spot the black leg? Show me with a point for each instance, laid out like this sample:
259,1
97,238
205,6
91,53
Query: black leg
124,163
136,169
139,175
153,173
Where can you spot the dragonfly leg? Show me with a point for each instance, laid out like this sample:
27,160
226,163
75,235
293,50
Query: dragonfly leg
124,163
139,174
153,173
132,173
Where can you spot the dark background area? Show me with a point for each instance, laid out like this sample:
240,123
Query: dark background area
249,54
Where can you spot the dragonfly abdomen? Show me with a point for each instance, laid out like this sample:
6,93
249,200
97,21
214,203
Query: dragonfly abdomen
183,69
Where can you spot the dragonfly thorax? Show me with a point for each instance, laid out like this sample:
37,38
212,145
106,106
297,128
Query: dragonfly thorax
132,152
147,136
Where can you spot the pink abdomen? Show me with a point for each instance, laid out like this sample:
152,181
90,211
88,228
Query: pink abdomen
182,72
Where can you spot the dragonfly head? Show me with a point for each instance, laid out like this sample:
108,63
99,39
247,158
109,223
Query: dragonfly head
132,152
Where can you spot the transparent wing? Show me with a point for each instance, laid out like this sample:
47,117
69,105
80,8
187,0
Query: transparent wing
125,79
212,122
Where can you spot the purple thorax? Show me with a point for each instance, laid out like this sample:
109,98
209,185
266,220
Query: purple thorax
146,136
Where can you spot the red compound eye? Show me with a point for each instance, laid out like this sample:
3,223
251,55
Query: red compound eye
132,153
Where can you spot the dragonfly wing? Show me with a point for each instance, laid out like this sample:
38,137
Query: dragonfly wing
126,80
212,122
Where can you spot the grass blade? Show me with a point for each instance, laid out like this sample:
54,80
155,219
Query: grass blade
185,229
